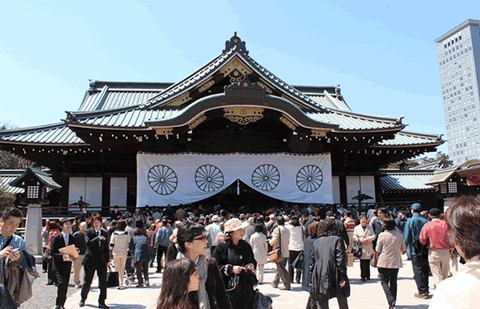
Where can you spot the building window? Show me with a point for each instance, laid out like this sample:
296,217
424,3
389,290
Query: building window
32,192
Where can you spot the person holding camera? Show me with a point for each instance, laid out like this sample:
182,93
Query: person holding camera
237,264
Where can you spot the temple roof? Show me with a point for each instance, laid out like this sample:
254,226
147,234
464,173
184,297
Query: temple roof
405,181
6,176
142,106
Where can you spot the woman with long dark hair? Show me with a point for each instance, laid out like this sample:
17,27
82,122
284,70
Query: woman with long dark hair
307,254
328,268
119,242
190,242
179,280
237,262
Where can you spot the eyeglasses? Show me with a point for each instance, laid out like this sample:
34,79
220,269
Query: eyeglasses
201,237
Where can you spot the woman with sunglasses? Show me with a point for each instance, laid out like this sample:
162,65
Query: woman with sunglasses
237,264
190,242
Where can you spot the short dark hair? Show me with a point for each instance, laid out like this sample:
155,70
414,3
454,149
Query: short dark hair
348,213
382,209
11,212
137,232
121,225
280,220
295,221
97,217
326,227
463,223
389,223
63,221
435,212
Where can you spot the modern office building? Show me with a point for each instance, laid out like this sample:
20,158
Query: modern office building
458,53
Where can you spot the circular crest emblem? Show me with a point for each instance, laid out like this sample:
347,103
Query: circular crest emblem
266,177
209,178
309,178
162,179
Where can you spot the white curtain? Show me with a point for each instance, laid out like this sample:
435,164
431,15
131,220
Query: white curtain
186,178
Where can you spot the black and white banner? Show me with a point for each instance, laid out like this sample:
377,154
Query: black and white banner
186,178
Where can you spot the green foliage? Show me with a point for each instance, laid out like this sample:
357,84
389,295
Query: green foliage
442,159
6,200
9,160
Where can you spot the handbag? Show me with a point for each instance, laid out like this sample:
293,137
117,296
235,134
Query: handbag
261,301
276,255
112,278
374,260
357,249
298,262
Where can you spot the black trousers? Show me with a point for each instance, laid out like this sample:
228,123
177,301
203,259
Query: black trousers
388,277
63,278
89,270
142,268
342,303
160,251
292,256
365,269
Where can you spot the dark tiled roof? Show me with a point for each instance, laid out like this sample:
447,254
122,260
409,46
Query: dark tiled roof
405,181
58,134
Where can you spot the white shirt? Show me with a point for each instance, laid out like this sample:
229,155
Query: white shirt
460,291
296,237
65,238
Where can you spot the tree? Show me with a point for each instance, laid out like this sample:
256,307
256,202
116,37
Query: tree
9,160
472,161
443,160
6,199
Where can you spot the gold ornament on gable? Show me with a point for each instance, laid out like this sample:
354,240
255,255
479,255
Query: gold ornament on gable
287,122
243,115
201,118
179,100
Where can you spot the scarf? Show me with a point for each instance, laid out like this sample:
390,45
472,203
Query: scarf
201,267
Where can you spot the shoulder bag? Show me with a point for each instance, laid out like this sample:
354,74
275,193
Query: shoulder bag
374,260
261,301
276,254
357,249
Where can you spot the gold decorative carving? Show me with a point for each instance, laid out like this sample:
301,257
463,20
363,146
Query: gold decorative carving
235,64
235,76
267,89
320,133
288,122
201,118
164,131
243,115
179,100
207,85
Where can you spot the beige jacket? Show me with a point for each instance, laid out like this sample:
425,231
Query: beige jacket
285,236
390,246
359,234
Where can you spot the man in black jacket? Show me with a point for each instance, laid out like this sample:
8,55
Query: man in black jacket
62,262
339,227
96,259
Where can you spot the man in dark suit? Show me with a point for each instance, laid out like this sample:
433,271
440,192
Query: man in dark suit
84,214
62,262
96,259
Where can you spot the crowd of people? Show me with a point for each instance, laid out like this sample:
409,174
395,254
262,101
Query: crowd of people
220,255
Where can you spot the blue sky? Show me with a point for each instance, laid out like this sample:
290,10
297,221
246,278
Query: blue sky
382,53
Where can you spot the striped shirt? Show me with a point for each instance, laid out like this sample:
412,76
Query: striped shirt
17,242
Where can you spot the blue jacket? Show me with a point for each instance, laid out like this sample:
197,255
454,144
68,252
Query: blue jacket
163,235
142,251
412,230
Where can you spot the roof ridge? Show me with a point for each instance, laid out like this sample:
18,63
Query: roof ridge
22,130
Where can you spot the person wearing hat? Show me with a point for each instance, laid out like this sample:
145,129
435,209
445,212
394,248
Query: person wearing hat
411,235
237,264
434,236
213,230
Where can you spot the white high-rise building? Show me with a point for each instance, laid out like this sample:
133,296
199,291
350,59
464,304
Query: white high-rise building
458,53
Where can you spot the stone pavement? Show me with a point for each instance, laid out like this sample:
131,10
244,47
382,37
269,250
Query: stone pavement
368,295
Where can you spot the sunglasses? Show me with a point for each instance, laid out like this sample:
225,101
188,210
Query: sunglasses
201,237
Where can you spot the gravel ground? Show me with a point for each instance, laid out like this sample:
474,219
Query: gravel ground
44,295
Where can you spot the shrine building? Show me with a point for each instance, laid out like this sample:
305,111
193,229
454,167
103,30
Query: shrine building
229,129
